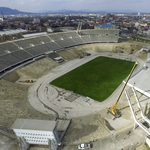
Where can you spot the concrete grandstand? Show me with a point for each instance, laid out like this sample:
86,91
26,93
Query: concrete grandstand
19,51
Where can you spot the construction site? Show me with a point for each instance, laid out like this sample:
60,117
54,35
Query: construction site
26,93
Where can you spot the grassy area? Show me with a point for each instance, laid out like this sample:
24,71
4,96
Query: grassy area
136,39
97,78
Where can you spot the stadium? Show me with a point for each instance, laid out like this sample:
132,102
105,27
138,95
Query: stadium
41,59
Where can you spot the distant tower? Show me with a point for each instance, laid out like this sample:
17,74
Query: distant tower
108,14
2,16
138,13
66,17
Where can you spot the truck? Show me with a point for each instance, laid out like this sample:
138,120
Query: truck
84,146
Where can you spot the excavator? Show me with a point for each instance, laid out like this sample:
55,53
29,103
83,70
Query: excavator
112,110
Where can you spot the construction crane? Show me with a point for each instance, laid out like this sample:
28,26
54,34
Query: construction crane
112,110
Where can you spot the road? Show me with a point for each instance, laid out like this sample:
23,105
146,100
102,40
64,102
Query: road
120,141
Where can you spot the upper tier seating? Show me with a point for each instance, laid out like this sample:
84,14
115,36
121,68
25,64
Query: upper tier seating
18,51
8,60
10,47
52,46
22,43
44,39
22,55
33,41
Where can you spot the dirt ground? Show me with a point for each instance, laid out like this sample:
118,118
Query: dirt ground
72,53
13,97
14,102
87,128
37,69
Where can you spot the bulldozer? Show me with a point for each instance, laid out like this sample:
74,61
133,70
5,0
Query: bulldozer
112,110
27,81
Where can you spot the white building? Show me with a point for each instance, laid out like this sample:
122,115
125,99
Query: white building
137,24
1,19
36,20
49,29
40,132
120,15
147,32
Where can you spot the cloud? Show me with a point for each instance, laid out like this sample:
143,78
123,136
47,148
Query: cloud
21,3
32,0
36,5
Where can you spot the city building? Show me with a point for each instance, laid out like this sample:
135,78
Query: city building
110,25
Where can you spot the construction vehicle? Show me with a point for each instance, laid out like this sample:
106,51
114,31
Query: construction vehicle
88,54
27,81
120,51
112,110
120,47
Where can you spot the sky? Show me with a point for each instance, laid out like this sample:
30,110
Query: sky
93,5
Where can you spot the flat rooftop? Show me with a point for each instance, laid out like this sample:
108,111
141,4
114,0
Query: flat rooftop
141,81
30,124
7,32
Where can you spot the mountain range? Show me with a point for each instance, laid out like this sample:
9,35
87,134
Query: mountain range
9,11
88,11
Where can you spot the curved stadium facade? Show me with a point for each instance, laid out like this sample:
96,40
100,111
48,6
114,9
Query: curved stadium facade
17,52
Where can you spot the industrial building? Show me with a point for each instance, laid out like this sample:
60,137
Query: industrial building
41,132
110,25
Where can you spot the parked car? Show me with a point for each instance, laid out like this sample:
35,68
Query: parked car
84,146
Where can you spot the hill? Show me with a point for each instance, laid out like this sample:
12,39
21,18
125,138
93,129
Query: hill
9,11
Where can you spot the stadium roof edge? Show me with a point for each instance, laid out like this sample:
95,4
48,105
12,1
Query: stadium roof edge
34,34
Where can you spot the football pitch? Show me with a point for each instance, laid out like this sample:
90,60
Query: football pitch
97,78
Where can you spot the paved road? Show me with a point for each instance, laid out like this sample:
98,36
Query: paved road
122,141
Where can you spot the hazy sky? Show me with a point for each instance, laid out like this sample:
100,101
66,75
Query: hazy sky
41,5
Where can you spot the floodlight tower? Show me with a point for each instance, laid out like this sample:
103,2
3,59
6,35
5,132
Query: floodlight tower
79,27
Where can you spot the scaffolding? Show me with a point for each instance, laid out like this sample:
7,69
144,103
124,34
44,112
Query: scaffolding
140,119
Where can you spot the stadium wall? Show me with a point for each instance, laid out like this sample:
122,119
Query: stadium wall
40,67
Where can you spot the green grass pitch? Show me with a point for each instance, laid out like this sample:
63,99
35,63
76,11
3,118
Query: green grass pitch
96,79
